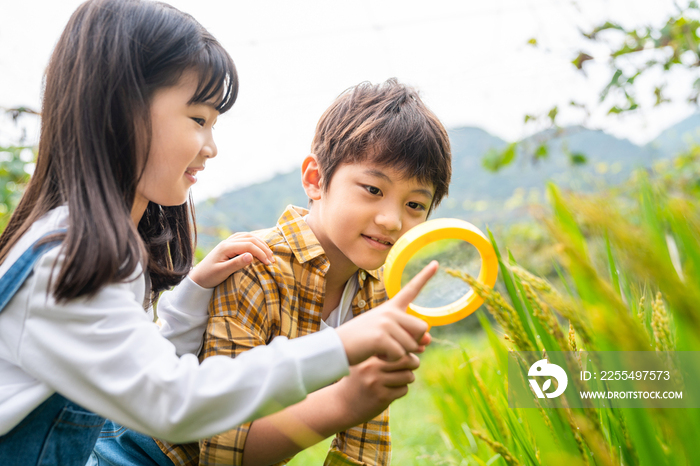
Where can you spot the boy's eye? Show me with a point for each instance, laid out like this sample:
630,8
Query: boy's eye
373,190
416,206
199,121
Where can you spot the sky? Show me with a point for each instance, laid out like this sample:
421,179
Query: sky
469,59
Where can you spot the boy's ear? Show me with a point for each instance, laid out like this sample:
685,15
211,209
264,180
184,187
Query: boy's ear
311,177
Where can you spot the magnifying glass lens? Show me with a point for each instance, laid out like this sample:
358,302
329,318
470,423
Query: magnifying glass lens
425,235
443,289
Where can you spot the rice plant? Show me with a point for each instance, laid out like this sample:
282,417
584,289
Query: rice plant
628,269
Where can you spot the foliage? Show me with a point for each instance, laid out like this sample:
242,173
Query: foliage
16,163
649,52
630,265
678,40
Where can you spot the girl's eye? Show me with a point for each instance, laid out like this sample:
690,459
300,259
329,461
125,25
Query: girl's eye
199,121
373,190
416,206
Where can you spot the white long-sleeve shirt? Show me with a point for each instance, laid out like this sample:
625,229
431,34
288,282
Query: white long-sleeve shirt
107,355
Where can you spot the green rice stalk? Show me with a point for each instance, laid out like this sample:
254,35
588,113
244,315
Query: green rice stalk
618,428
572,339
596,442
608,314
572,345
550,323
545,316
646,255
660,325
581,445
503,312
641,315
498,448
491,404
564,306
543,413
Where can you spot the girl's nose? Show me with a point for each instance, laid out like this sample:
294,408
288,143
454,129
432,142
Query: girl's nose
210,150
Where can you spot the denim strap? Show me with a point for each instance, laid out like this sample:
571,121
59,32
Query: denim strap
23,267
58,432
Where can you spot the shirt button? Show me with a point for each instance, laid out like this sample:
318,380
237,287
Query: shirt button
362,303
363,275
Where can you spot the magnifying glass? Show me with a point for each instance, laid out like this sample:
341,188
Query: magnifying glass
430,232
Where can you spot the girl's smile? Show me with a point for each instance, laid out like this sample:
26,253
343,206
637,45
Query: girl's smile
191,173
181,142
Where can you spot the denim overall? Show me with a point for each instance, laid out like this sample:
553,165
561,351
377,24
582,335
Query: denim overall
58,432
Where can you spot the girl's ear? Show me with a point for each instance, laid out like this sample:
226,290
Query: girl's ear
311,177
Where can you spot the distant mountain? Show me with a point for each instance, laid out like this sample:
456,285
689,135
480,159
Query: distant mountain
484,197
677,138
476,194
250,208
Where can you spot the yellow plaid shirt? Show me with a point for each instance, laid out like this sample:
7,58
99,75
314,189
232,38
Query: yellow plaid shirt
261,302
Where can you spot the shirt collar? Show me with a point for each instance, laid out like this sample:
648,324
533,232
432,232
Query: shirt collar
302,241
296,232
374,273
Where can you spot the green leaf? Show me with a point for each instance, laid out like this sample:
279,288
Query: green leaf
507,278
606,26
613,83
581,59
614,274
542,152
494,159
577,158
565,220
543,340
499,349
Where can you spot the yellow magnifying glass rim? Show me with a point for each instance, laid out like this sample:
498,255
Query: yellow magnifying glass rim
429,232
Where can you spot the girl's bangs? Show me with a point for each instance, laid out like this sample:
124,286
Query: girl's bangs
218,79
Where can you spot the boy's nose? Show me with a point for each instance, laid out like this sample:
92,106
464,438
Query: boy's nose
391,221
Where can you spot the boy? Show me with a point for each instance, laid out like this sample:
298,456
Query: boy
380,164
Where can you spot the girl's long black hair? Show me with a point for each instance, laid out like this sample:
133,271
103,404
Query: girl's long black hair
95,135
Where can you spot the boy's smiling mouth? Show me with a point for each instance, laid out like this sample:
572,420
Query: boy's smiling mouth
378,242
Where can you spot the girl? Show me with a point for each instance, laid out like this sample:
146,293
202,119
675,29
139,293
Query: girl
133,89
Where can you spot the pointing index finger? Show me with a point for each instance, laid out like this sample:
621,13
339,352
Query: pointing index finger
409,292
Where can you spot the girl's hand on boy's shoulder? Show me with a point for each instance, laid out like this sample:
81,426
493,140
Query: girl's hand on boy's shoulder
229,256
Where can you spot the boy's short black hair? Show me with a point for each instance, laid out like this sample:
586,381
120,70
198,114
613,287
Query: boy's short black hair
387,124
